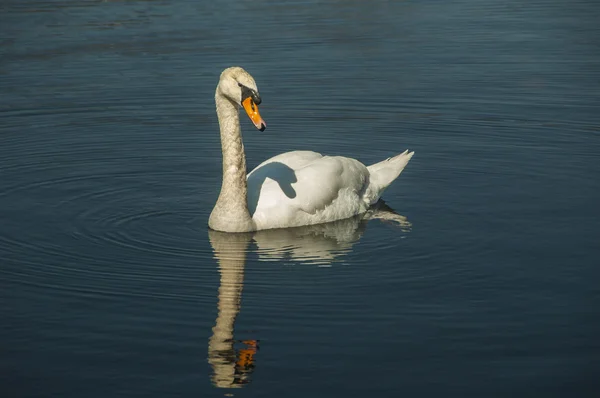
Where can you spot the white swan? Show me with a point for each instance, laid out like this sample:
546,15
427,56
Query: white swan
291,189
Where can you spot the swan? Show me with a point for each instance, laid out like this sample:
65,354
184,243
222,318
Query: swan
292,189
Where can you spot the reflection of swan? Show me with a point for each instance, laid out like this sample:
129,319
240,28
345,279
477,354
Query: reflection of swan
319,244
292,189
228,370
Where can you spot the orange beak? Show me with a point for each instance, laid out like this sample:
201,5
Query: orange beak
252,110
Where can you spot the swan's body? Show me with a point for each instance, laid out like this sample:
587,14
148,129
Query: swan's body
291,189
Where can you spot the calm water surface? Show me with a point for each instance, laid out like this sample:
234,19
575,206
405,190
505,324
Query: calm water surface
112,285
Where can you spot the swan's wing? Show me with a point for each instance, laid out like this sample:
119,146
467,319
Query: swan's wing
320,182
306,188
272,178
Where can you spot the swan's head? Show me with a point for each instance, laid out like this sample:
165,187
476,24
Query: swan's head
237,85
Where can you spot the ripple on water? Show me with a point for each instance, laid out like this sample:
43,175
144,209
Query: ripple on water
85,211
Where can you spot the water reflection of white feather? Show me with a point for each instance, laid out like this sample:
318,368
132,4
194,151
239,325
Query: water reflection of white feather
317,244
322,243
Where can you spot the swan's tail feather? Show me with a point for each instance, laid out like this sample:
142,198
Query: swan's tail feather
382,174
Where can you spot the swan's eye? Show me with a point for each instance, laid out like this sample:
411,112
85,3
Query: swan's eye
248,92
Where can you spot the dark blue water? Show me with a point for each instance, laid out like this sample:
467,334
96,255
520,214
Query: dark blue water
112,285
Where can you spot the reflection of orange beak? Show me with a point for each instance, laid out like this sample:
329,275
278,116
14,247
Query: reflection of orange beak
252,110
247,354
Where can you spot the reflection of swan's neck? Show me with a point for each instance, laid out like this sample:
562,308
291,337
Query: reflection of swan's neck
221,352
230,293
231,210
230,252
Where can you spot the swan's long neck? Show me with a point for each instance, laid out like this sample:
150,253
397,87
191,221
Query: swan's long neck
230,213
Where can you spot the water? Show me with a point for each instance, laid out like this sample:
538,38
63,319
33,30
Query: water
111,284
